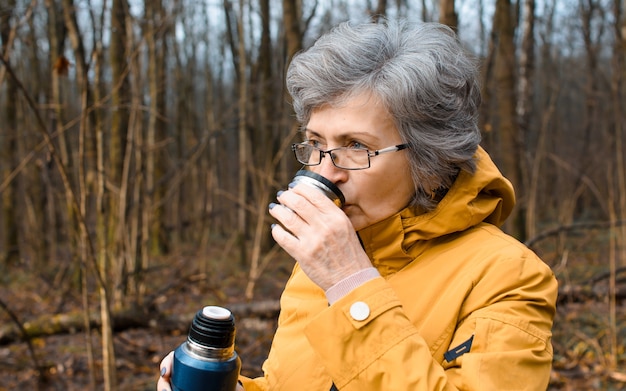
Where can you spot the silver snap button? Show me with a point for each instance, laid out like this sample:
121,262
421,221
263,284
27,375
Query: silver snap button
359,311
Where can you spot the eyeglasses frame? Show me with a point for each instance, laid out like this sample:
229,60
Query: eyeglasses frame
370,154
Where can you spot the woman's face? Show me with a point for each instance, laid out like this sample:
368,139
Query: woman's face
384,188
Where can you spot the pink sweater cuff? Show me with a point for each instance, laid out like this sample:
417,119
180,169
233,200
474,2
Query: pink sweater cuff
349,283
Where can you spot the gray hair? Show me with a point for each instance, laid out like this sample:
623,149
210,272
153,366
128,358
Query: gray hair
422,75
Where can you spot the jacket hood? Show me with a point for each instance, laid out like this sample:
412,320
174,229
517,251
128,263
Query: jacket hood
485,196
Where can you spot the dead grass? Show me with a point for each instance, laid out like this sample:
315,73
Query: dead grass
584,358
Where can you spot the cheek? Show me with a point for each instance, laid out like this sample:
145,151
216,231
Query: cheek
389,193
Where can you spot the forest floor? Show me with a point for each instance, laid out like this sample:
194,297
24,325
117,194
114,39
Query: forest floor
586,357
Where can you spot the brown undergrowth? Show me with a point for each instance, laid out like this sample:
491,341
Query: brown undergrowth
587,355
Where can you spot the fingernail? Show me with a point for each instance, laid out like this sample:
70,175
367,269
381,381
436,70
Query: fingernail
272,226
163,370
292,185
280,192
272,205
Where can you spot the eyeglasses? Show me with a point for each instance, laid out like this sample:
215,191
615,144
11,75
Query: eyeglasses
342,157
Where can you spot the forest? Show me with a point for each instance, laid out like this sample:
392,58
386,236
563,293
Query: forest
142,141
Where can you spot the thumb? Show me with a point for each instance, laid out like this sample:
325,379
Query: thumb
163,384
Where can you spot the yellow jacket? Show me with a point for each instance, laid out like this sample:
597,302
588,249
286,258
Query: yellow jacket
460,306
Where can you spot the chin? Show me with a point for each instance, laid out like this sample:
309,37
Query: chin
358,220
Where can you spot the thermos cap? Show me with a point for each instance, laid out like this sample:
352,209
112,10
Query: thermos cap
215,312
321,183
213,327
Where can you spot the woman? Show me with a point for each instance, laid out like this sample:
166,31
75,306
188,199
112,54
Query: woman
410,285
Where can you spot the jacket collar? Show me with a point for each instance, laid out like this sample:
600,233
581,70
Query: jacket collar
485,196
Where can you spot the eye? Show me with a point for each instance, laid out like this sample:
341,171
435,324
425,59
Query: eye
314,143
356,145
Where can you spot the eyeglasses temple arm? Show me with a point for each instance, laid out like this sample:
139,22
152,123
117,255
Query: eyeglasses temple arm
398,147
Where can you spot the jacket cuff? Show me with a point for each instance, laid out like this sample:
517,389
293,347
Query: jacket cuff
345,286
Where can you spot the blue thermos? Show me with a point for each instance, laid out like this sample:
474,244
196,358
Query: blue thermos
207,361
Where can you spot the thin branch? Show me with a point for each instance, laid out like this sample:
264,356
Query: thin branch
572,228
25,337
62,171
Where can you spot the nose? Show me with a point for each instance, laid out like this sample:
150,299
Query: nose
329,171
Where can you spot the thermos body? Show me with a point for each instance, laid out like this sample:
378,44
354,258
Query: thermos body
190,373
207,361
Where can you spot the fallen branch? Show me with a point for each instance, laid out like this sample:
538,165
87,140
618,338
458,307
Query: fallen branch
73,322
583,293
572,228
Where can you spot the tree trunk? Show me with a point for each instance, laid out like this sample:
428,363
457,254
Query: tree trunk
57,33
109,255
448,15
262,178
380,12
618,233
524,110
157,38
8,146
293,32
242,138
148,153
58,72
505,87
113,261
84,163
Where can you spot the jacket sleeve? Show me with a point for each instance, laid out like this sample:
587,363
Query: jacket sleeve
509,333
382,352
257,384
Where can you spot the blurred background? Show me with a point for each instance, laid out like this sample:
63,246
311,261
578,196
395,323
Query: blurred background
141,142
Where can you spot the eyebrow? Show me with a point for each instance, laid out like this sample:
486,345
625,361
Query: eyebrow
370,137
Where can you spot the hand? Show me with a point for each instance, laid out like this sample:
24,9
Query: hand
318,235
163,384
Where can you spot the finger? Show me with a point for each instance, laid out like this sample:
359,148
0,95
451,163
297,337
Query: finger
163,384
310,204
296,199
289,219
285,239
314,196
166,365
294,211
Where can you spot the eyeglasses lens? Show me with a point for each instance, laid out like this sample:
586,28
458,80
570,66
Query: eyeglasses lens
347,158
306,154
350,158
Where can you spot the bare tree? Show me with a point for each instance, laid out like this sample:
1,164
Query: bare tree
99,154
504,84
524,104
552,88
84,151
8,141
618,237
155,33
152,142
263,142
292,15
108,254
58,222
243,148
